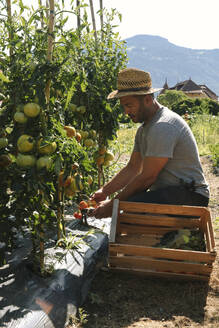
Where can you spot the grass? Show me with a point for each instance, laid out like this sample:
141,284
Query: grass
206,131
126,137
122,147
204,127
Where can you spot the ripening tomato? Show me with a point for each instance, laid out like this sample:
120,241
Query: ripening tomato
83,205
78,215
70,130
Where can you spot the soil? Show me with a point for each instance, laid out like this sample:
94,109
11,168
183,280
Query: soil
121,300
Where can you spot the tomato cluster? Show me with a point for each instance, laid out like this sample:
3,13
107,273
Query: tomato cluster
83,206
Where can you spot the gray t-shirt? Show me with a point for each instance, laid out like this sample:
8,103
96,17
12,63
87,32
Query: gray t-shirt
168,135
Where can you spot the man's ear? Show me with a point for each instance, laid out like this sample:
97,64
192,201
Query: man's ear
148,99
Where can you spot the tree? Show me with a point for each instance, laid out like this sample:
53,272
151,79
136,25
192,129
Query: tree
171,97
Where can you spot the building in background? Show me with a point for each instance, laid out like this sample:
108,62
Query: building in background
191,89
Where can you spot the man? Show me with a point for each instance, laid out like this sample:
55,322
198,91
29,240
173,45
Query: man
164,166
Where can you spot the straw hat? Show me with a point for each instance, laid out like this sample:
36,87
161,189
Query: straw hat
133,81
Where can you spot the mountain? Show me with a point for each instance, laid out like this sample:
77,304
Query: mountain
164,60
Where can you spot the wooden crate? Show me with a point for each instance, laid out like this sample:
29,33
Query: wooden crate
136,227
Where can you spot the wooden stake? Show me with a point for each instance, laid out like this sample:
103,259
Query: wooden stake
78,14
41,247
93,20
41,15
60,214
50,44
10,27
101,18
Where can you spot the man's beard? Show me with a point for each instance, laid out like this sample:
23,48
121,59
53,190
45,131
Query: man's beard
142,113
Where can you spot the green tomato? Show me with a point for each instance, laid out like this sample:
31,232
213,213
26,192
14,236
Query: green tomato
81,109
3,142
84,134
25,143
31,109
44,162
93,134
88,143
72,107
46,148
89,179
20,117
25,160
109,156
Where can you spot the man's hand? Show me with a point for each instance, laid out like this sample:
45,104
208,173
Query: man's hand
103,210
99,196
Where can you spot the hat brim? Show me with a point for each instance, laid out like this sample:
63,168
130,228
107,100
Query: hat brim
119,94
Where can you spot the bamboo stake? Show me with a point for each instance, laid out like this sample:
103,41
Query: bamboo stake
78,14
50,45
79,18
47,96
10,27
42,247
101,18
47,6
60,213
41,15
41,236
101,178
93,19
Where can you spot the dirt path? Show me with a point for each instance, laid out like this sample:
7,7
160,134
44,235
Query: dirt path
118,300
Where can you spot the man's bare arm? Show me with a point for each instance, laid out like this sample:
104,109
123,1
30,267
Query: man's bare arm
121,179
152,166
128,173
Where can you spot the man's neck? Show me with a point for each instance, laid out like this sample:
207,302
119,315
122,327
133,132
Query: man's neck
153,110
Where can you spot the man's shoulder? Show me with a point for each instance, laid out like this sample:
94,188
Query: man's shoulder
168,116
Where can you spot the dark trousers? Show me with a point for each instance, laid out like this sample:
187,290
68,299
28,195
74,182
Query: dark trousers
171,195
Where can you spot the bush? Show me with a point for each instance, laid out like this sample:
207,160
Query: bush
178,102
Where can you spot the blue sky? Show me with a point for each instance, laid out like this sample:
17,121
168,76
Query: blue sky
188,23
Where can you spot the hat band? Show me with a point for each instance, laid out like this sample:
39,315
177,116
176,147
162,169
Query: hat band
134,89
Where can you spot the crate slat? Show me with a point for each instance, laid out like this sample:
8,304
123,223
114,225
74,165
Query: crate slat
210,230
156,274
143,230
159,265
164,221
162,208
136,239
168,253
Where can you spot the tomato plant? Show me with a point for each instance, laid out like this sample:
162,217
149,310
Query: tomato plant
53,114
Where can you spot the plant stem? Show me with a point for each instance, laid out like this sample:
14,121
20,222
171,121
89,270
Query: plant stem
41,247
59,213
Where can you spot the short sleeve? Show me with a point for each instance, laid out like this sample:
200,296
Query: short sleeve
161,140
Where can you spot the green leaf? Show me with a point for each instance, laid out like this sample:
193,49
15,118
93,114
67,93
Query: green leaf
4,78
58,165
